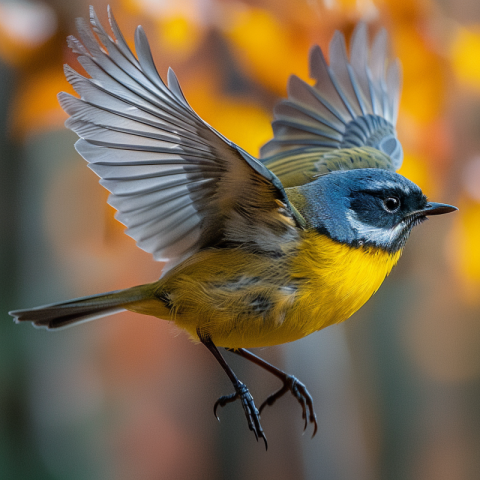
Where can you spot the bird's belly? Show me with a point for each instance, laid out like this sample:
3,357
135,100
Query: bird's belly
238,298
245,300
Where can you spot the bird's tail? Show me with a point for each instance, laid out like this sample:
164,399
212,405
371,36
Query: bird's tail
64,314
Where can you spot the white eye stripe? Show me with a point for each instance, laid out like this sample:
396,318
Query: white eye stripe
385,185
372,234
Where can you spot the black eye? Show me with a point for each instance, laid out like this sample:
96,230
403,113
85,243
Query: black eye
391,204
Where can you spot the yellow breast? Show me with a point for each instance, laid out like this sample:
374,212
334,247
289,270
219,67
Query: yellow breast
336,280
242,299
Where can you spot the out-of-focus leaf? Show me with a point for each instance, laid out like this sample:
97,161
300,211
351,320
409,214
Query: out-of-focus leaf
239,119
464,249
465,55
423,74
267,49
179,35
415,168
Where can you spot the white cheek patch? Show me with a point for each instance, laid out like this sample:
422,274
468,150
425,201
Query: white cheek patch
375,235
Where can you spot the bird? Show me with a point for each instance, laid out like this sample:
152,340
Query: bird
258,251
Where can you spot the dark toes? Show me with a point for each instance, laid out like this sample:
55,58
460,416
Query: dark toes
303,397
251,412
222,401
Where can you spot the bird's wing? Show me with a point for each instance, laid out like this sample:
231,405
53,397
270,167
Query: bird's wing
354,103
178,184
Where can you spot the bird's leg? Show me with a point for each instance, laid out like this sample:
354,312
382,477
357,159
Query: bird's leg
241,392
290,383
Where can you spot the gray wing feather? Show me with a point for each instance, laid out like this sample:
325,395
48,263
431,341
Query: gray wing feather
174,86
163,165
353,103
340,75
394,85
119,42
359,63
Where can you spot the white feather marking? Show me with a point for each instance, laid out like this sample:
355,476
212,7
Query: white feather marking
375,235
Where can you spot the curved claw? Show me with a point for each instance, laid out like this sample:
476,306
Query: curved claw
300,392
248,404
222,401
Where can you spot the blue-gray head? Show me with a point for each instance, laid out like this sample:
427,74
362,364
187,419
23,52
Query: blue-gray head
364,207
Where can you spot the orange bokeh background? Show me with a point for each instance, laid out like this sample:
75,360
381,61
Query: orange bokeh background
397,388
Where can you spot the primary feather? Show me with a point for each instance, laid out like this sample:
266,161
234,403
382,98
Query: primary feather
177,183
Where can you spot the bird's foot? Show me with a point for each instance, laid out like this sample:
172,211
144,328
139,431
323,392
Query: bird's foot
300,392
251,411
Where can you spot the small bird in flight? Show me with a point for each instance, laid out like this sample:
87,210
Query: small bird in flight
258,252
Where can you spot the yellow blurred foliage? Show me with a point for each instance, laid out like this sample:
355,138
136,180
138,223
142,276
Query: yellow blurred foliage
464,249
179,35
423,74
366,8
268,50
465,55
239,119
407,12
415,167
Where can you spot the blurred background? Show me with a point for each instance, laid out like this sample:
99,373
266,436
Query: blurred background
396,388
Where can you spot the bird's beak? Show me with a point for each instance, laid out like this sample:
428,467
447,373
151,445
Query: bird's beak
433,208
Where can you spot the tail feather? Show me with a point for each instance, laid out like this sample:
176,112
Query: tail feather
65,314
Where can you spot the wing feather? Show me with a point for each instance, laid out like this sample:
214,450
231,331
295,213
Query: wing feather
177,184
354,103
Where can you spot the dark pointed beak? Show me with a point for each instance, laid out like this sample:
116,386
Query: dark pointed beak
433,208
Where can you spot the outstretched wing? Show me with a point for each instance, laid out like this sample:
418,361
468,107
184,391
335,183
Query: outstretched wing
352,104
178,184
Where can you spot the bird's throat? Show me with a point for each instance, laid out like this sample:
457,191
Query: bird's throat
337,279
